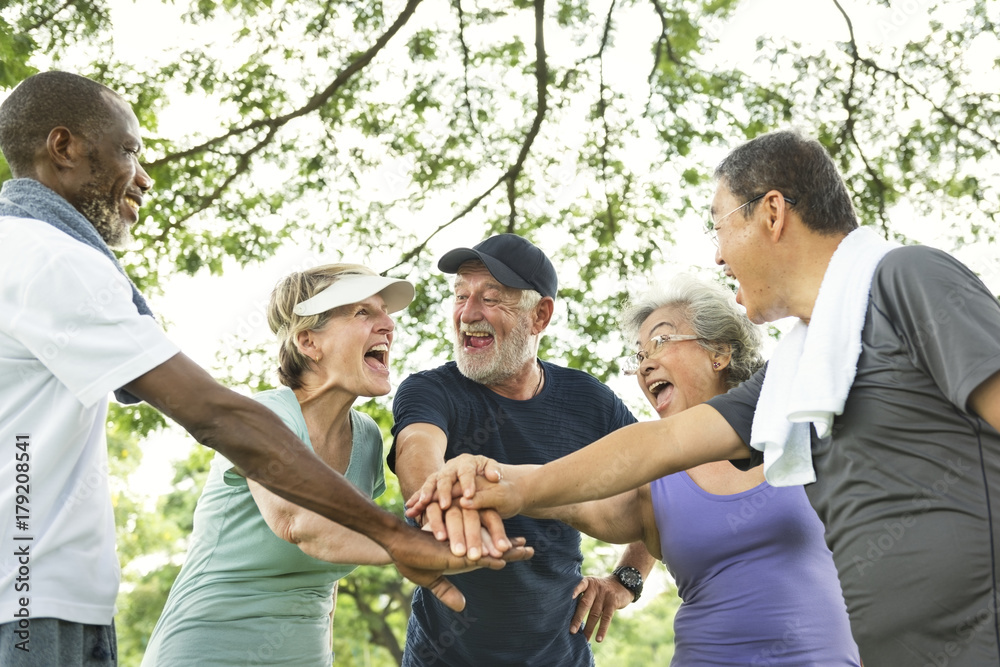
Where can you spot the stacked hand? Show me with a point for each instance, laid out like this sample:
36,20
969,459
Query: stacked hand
478,483
423,560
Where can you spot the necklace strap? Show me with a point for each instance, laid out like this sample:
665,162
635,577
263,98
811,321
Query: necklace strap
541,377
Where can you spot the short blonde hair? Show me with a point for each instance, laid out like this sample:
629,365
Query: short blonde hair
290,291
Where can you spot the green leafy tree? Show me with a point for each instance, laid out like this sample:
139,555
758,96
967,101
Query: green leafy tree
370,130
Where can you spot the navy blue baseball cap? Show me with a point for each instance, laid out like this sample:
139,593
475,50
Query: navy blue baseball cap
511,259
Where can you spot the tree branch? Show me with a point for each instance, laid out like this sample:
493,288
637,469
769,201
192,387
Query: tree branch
848,135
602,107
465,63
541,106
242,167
45,19
317,100
663,39
378,630
938,108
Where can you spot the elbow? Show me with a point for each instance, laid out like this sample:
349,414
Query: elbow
288,527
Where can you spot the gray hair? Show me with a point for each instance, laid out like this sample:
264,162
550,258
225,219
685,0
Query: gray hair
713,314
529,299
799,168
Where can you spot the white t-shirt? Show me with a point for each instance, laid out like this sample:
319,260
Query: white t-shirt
69,335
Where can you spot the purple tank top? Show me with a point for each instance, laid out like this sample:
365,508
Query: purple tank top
757,581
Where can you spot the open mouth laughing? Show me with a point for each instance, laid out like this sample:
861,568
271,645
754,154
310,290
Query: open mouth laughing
662,391
377,357
476,340
133,202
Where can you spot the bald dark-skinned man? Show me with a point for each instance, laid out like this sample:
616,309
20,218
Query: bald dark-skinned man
73,328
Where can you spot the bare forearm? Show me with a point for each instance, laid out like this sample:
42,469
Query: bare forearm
324,540
604,520
632,456
637,555
260,445
420,452
614,520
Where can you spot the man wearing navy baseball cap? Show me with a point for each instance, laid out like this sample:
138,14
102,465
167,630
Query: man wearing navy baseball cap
511,259
498,399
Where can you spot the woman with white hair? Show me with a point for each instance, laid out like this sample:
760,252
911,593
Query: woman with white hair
757,582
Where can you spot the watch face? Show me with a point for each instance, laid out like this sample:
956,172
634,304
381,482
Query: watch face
630,578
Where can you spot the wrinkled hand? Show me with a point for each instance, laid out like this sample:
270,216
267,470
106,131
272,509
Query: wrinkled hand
470,533
456,479
423,560
599,599
505,496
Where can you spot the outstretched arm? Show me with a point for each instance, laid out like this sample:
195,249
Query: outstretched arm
625,518
625,459
317,536
323,539
264,449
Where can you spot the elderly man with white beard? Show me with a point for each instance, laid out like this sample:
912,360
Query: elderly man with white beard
497,398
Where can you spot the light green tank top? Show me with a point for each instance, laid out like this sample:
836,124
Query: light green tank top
244,595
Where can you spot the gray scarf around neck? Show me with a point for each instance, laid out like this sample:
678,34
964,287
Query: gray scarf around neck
27,198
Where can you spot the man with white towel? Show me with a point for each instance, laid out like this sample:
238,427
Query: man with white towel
884,400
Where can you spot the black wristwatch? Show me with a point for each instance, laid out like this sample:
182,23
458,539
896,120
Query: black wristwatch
631,579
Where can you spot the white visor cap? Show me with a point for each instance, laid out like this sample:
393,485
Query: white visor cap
353,288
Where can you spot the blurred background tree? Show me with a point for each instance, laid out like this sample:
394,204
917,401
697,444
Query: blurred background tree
388,131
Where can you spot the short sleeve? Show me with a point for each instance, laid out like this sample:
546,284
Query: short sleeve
278,402
419,400
622,415
366,469
72,310
945,316
737,406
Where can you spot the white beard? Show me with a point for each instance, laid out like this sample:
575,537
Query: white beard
503,362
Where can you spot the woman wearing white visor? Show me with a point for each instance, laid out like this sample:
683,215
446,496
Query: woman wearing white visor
257,584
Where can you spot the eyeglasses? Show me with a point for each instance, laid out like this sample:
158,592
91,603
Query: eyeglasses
712,226
653,347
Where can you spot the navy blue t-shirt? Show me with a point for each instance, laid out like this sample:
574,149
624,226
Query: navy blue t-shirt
519,615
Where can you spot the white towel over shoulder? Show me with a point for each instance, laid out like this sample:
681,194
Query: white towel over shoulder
813,367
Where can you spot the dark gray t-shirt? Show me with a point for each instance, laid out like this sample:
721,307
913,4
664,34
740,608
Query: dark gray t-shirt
908,485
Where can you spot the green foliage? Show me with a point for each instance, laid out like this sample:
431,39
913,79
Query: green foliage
370,131
645,637
151,541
